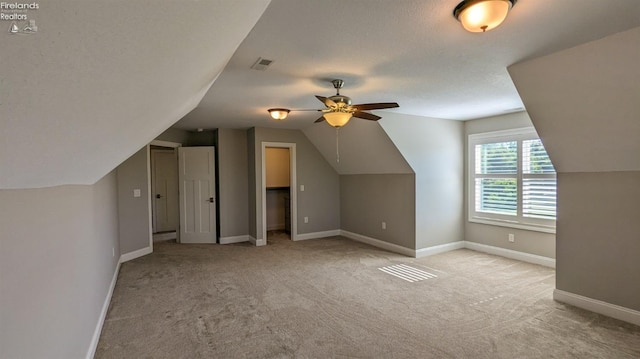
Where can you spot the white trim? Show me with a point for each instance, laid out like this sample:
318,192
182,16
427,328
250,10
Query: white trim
252,240
523,226
103,314
512,221
441,248
490,136
508,253
235,239
159,144
165,144
293,191
135,254
314,235
149,200
378,243
598,306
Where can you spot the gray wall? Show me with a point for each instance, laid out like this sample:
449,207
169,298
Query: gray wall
364,148
538,243
434,149
321,199
188,138
599,236
368,200
583,102
233,182
56,266
174,135
133,212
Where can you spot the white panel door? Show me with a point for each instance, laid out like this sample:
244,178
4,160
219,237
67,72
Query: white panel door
196,175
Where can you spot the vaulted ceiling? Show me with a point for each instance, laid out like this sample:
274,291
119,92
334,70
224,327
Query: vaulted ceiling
101,79
411,51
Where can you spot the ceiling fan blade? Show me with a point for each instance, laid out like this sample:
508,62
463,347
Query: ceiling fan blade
326,101
366,116
375,106
319,120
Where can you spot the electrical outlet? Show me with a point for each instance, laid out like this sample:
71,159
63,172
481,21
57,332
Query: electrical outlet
306,219
301,188
512,237
384,225
113,252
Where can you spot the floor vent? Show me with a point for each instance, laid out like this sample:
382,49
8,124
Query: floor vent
407,273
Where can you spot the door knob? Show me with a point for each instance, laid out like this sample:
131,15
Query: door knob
158,196
211,199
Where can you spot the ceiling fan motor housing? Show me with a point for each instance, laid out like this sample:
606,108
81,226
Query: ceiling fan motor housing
340,100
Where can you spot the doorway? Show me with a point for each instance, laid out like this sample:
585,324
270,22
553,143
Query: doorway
279,200
278,193
163,170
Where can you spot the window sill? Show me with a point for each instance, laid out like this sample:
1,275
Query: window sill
527,227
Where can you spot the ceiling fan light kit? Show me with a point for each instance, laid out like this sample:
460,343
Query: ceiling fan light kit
482,15
279,113
338,108
337,119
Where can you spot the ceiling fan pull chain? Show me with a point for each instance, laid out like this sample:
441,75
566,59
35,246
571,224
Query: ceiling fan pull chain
337,145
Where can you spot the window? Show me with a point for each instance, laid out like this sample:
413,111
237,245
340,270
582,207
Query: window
511,180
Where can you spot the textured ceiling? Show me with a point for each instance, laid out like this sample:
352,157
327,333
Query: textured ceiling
410,51
101,79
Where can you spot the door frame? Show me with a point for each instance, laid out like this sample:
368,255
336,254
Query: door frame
154,186
158,143
293,190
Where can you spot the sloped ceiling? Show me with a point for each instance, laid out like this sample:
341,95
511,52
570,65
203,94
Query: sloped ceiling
585,103
413,52
101,79
363,148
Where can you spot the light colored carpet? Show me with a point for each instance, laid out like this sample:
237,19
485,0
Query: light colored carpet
327,298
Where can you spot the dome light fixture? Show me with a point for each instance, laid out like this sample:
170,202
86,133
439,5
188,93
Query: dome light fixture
482,15
337,119
279,113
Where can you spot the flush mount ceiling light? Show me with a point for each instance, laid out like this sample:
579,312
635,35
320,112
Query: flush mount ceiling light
482,15
278,113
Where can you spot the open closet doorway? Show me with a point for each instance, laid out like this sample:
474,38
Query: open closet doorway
279,192
165,214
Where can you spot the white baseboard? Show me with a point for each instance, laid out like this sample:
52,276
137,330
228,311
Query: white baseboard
235,239
598,306
257,242
314,235
429,251
503,252
378,243
103,314
135,254
276,227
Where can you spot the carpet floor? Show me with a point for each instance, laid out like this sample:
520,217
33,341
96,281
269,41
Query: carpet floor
328,298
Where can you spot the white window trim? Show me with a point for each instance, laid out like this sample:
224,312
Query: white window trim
519,134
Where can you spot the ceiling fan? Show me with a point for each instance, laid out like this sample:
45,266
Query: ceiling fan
339,110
